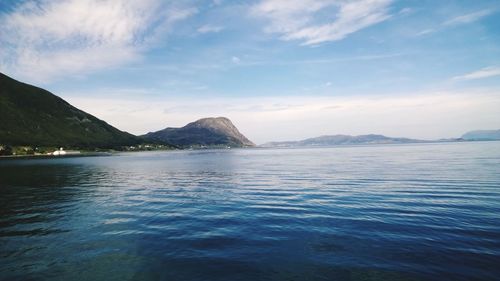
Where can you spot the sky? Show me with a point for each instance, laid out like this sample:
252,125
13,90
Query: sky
280,70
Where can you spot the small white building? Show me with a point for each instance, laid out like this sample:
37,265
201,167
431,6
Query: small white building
59,152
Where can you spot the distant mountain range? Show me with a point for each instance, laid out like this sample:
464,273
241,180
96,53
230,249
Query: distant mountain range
332,140
218,131
342,140
482,135
32,116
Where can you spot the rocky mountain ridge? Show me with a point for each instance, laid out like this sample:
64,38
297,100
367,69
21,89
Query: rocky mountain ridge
218,131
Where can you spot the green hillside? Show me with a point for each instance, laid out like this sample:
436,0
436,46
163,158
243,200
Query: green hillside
32,116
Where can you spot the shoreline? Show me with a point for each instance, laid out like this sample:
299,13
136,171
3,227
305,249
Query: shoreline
115,152
47,156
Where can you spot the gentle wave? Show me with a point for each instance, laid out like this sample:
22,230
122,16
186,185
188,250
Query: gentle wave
402,212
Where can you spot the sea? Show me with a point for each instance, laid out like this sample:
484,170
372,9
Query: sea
374,212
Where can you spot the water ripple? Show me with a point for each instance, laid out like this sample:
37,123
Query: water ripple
409,212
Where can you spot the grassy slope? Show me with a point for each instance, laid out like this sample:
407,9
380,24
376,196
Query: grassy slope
32,116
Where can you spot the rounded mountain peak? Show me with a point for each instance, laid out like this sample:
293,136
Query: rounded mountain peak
205,131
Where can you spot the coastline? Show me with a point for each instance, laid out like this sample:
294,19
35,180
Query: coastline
47,156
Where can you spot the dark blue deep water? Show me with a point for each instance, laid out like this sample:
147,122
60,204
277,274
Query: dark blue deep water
389,212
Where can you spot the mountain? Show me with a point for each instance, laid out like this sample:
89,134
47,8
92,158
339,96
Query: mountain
218,131
482,135
342,140
32,116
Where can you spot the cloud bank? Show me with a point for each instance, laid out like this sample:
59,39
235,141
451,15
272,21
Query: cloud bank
42,40
431,115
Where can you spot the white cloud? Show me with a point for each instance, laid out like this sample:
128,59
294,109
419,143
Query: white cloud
406,11
430,116
235,59
216,2
468,18
305,20
209,28
47,39
457,20
479,74
325,61
425,32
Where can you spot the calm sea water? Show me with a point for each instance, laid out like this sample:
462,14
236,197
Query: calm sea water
393,212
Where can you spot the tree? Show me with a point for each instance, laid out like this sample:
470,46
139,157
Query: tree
5,150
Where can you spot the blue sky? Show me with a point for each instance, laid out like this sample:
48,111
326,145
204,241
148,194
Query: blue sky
280,70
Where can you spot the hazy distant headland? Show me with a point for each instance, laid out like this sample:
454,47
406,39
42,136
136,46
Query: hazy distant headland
342,140
34,121
334,140
482,135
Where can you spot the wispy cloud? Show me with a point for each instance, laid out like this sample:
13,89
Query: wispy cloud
425,32
304,20
209,28
47,39
479,74
457,20
235,59
325,60
216,2
468,18
406,11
